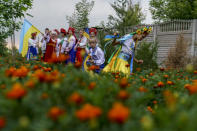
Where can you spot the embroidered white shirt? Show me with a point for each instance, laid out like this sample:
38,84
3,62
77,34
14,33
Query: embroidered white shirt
32,42
45,40
68,44
83,42
97,55
127,46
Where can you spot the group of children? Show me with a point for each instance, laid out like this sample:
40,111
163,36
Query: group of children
66,43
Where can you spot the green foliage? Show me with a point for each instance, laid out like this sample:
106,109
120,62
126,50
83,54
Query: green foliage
128,14
163,10
148,53
173,111
3,48
79,18
10,13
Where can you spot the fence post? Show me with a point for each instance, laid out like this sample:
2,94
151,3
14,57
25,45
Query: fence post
194,25
155,32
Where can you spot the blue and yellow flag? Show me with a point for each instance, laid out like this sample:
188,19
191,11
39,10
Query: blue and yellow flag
86,33
110,37
26,31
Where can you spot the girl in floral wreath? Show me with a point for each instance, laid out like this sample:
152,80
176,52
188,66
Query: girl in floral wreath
119,62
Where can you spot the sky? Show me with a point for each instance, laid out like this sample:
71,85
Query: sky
52,13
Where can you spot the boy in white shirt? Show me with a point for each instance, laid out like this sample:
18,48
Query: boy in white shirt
97,56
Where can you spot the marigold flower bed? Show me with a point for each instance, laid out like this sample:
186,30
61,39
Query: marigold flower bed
53,97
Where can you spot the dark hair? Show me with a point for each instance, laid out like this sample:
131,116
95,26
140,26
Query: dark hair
46,28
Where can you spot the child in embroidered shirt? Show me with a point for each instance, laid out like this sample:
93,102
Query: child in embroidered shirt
97,57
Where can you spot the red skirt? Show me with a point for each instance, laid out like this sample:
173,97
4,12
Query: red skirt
50,49
79,57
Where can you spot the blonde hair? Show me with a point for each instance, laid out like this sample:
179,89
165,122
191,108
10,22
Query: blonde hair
93,40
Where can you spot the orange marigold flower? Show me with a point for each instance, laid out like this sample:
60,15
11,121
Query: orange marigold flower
55,112
150,109
123,83
16,92
88,112
93,67
192,88
119,113
165,76
47,69
63,57
21,72
36,67
9,72
116,80
2,122
50,78
144,80
151,74
92,85
78,65
138,69
141,77
187,86
142,89
30,84
160,84
117,76
123,95
3,86
155,102
76,98
53,59
170,83
44,96
40,75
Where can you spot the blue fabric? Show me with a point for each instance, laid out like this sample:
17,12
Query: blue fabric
133,55
72,55
100,69
32,53
125,37
123,56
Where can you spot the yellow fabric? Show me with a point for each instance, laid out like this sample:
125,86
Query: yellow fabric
91,73
31,30
85,65
86,35
119,67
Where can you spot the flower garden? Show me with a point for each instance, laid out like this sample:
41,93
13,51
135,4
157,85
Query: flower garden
54,97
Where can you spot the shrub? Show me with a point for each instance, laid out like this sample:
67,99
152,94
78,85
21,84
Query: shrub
178,56
148,53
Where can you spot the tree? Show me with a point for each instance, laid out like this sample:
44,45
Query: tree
128,14
79,18
163,10
11,11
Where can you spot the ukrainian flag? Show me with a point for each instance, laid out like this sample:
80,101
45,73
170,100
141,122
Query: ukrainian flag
26,31
110,37
86,33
